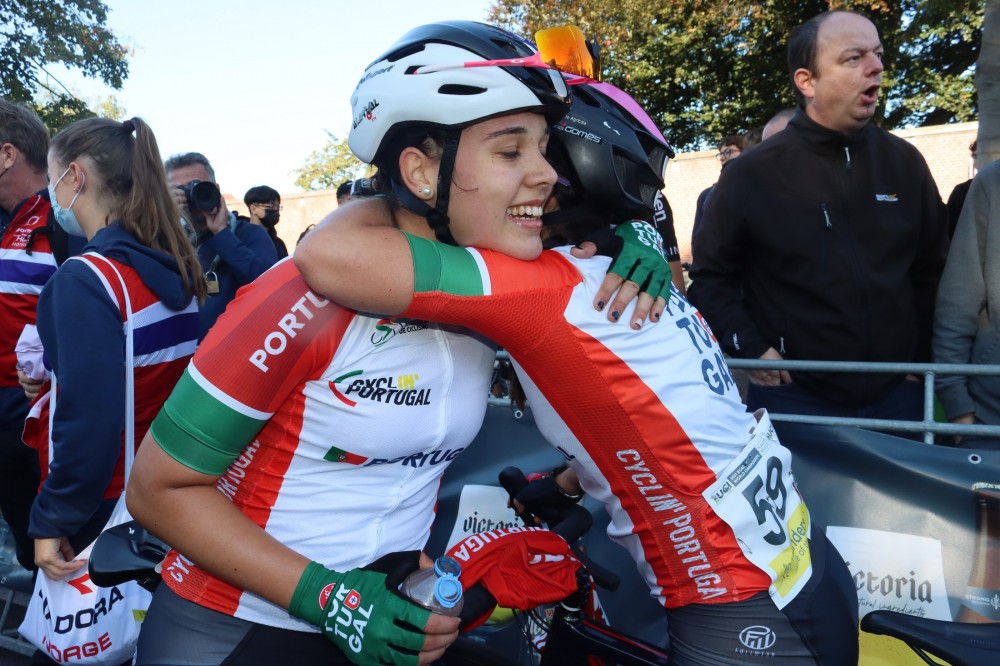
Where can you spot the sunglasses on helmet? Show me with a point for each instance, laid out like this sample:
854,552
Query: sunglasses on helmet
562,48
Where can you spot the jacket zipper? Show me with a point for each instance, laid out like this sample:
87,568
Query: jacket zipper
863,304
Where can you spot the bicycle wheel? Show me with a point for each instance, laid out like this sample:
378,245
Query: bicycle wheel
467,652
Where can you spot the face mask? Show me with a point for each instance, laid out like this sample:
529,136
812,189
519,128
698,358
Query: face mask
271,217
65,217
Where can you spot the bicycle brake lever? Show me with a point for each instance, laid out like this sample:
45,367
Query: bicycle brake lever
513,480
602,576
573,526
576,523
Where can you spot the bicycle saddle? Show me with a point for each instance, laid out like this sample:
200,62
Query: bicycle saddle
127,552
961,644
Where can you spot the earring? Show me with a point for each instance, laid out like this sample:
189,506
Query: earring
426,191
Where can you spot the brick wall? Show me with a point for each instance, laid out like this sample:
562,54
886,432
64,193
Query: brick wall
945,147
299,211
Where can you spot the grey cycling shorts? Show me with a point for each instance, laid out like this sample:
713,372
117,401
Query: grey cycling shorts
818,627
177,632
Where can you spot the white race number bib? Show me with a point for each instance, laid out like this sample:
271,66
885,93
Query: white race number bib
757,497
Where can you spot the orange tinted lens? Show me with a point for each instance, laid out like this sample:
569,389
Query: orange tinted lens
565,49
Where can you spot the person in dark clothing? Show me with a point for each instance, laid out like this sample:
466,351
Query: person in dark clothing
956,200
663,220
232,252
264,204
730,148
827,241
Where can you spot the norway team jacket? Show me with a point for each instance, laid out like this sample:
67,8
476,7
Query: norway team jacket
824,247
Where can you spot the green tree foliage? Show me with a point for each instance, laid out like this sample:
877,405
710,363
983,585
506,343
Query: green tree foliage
329,166
708,68
109,107
37,33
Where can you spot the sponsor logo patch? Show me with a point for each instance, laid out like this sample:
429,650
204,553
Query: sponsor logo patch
324,594
577,132
386,329
400,390
367,113
758,637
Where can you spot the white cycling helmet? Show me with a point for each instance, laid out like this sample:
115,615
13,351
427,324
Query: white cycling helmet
420,84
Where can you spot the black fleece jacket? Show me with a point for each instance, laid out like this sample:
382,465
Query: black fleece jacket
825,247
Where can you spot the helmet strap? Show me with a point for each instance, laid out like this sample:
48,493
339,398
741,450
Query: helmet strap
437,216
408,200
439,219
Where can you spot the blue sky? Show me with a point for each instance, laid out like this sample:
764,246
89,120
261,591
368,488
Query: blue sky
253,84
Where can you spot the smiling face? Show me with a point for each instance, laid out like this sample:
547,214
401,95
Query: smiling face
842,93
500,182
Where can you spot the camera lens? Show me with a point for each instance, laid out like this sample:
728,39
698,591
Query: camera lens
203,195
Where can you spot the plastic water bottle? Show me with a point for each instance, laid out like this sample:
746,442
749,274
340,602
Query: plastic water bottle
437,589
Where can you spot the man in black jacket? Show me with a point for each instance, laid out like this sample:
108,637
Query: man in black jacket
827,241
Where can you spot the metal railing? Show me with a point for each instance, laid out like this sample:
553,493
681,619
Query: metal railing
929,371
928,426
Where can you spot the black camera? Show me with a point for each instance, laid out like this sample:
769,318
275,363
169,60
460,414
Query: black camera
363,187
202,195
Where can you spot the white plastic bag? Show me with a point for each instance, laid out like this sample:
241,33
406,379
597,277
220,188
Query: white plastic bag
71,619
75,622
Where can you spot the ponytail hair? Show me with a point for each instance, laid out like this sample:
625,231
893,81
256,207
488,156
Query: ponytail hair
136,188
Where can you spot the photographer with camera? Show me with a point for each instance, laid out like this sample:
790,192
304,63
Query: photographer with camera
232,252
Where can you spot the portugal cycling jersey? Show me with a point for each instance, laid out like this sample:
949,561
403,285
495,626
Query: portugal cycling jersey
651,421
343,425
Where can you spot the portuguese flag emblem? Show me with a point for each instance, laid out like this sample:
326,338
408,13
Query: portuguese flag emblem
342,456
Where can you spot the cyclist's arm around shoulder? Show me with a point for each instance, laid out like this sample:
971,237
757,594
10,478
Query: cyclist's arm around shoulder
357,258
182,506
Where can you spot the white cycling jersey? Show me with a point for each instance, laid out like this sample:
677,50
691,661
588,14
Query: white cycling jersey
330,429
698,492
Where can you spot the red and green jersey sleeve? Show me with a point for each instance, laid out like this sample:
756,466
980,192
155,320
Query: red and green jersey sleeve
487,291
274,336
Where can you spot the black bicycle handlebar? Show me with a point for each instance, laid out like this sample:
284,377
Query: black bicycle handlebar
573,524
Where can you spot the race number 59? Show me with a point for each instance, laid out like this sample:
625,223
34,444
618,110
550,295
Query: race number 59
756,496
768,499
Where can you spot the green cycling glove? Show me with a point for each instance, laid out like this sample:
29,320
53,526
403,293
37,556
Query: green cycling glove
641,259
361,615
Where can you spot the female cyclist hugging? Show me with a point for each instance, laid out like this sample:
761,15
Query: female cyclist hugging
304,445
700,492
